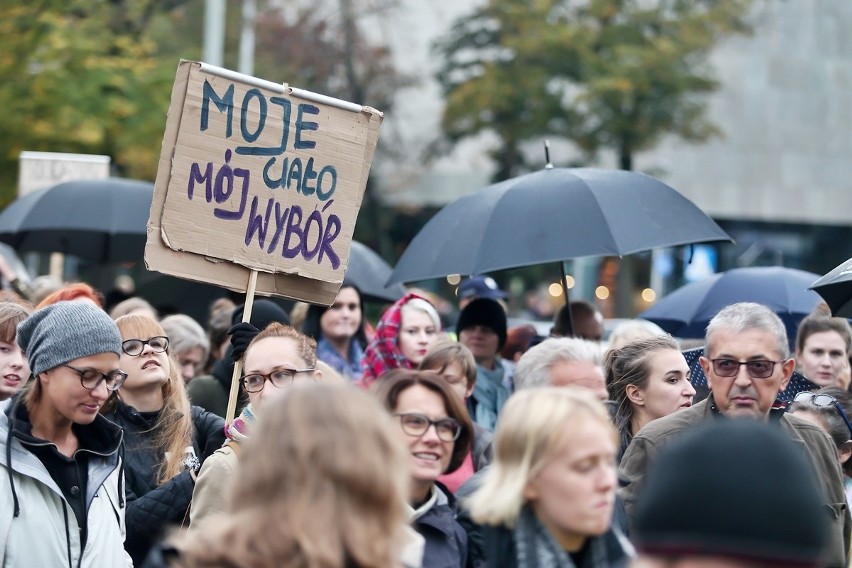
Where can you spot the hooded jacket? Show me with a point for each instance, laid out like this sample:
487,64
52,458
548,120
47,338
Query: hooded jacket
814,443
37,524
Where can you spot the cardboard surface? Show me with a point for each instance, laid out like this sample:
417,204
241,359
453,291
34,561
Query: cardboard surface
221,205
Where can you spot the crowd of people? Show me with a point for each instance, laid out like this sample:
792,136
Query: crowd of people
410,443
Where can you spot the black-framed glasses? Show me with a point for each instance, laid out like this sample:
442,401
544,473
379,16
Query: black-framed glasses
416,425
135,347
278,377
92,378
757,369
823,400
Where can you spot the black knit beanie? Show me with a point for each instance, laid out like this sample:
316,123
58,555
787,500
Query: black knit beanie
737,489
263,313
486,312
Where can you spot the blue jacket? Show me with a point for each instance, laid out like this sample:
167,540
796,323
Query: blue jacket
446,540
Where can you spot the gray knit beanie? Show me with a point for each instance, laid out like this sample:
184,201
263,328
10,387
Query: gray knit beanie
66,331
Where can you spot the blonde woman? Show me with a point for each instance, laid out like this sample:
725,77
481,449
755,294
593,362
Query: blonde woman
165,439
276,359
322,482
548,497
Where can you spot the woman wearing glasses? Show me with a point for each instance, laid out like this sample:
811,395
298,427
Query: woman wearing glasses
830,408
165,438
61,466
435,425
276,358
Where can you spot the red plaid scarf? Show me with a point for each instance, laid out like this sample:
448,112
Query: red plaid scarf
383,354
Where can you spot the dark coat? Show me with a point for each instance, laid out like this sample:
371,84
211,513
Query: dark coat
211,392
495,548
814,443
152,508
446,540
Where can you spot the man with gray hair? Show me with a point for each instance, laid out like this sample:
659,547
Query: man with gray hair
562,362
747,363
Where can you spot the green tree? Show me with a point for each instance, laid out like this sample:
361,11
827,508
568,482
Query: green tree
605,74
82,76
95,77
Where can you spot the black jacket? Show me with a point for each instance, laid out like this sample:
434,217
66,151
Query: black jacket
152,508
496,549
446,541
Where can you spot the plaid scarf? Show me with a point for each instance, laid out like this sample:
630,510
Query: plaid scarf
383,354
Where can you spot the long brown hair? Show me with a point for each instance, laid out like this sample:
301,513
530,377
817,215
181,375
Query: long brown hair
322,483
174,425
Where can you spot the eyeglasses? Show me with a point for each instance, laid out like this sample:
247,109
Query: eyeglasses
134,347
823,400
279,378
759,369
92,378
413,424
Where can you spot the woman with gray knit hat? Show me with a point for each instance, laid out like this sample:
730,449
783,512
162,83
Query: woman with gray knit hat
60,470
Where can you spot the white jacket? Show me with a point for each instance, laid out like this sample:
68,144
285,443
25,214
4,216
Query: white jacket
45,532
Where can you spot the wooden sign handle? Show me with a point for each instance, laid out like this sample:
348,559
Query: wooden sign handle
238,365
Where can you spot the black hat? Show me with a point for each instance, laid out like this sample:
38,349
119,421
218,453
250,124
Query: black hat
486,312
263,313
737,489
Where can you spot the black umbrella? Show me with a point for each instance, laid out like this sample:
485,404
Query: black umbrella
836,289
553,215
685,312
98,220
369,272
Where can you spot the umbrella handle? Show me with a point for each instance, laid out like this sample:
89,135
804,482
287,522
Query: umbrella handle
569,319
238,365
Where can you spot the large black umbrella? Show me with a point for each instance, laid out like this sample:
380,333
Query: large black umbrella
553,215
98,220
369,272
836,289
686,311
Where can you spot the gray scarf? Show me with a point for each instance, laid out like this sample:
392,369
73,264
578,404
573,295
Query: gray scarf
537,548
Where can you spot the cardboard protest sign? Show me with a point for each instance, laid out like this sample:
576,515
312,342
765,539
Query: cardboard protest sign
259,176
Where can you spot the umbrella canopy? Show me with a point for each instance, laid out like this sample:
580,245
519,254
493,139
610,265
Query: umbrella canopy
369,272
553,215
99,220
687,311
836,289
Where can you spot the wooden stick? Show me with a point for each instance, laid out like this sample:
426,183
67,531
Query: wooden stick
238,365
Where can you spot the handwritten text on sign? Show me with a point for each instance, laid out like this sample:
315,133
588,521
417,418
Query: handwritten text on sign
265,179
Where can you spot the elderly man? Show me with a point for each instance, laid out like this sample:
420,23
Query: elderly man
747,363
562,362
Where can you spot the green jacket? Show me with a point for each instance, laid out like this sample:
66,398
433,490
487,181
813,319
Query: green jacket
814,442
